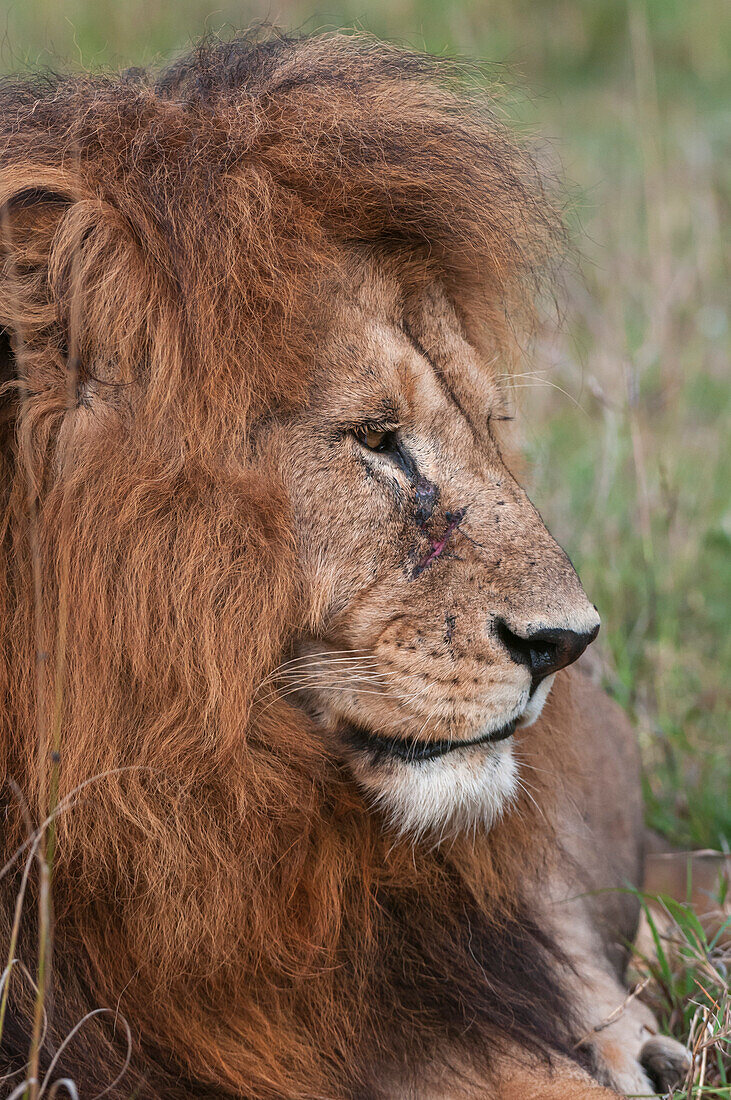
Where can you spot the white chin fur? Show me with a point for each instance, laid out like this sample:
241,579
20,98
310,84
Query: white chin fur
455,792
535,703
452,793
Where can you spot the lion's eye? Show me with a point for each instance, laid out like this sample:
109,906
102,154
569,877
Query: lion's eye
372,439
375,440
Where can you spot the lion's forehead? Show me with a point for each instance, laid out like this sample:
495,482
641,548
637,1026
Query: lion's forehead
406,352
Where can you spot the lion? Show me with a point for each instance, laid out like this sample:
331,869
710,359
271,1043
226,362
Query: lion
288,711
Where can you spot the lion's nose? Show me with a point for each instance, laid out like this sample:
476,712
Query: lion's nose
544,651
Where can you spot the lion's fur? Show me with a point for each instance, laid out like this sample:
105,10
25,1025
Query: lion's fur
218,879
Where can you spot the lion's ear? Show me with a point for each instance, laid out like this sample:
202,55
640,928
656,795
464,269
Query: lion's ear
29,220
30,215
74,280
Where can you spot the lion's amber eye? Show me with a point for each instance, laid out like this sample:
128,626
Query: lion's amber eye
374,440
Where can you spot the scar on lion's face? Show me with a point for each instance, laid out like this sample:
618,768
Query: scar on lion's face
452,520
400,443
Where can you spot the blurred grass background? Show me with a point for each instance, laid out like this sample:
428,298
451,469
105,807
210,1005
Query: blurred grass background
625,414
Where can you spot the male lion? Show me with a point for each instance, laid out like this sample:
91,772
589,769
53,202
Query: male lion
283,641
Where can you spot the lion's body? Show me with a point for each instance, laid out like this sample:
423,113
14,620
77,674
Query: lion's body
205,279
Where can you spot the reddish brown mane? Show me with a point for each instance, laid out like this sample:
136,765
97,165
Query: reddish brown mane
222,882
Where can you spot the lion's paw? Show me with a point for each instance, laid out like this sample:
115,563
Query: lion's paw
633,1081
666,1061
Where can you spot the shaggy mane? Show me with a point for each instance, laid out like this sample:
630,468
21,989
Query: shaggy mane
218,881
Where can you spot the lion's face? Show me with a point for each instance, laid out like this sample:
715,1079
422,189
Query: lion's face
440,606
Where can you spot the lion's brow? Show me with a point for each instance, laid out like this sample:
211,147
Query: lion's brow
442,381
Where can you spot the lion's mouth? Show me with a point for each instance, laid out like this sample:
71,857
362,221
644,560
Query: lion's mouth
408,749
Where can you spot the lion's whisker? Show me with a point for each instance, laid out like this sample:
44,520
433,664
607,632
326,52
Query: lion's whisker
302,673
552,385
524,787
360,654
331,659
324,687
305,683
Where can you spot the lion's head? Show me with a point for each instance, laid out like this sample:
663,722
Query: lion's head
260,540
439,607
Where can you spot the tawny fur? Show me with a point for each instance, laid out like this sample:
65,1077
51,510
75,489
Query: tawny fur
171,249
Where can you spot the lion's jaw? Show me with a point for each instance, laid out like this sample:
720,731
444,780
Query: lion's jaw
466,788
427,568
469,785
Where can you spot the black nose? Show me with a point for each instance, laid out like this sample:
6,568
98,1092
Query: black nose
544,651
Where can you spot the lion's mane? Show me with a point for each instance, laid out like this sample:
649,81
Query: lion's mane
170,242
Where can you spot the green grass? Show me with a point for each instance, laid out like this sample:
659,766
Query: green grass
634,477
685,979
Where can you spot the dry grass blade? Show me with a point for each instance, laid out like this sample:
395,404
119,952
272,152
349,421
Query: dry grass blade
636,990
77,1027
22,1089
29,978
19,900
66,803
63,1083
